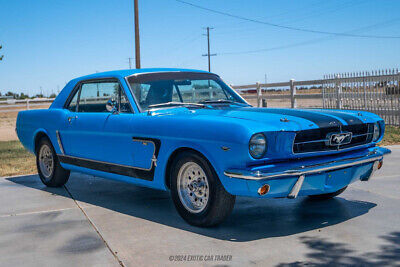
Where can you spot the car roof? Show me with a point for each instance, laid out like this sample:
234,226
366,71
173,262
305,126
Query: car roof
63,95
129,72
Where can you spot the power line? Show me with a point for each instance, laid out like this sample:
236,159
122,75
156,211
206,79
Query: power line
288,12
183,43
305,42
279,15
187,60
308,14
273,48
317,13
286,27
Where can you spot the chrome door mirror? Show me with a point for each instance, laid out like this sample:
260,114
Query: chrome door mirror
111,106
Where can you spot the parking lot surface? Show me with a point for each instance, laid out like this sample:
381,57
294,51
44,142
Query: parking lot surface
96,222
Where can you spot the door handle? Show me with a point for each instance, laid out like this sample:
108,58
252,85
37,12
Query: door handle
71,118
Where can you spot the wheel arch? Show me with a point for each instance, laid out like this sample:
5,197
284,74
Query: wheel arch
37,137
174,154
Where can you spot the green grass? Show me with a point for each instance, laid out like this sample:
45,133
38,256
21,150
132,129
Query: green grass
392,136
15,160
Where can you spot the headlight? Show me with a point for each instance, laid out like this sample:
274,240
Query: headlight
377,132
257,146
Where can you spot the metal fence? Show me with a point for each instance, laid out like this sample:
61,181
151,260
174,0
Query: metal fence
376,91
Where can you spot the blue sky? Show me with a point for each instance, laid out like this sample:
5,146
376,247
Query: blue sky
48,42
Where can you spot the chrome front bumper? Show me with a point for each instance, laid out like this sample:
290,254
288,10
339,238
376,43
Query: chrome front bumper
374,155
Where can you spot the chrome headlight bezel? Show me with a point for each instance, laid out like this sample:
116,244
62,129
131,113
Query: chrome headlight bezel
377,132
258,145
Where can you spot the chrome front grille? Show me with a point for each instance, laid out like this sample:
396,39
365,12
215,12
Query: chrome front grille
316,140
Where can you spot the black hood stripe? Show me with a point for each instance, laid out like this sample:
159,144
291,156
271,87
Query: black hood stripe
321,120
348,118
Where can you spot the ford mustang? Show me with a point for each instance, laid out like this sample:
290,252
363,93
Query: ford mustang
188,132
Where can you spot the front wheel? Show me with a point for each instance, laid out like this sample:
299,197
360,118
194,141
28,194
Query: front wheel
328,195
198,195
50,171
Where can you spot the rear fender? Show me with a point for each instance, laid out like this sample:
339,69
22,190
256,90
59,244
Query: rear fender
36,137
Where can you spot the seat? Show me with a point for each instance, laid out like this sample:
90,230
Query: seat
159,92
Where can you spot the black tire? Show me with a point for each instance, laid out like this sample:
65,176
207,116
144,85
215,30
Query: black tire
219,204
58,176
328,195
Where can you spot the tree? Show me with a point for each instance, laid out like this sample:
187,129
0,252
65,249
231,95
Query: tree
1,56
23,96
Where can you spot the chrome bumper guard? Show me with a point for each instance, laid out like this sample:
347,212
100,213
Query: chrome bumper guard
375,155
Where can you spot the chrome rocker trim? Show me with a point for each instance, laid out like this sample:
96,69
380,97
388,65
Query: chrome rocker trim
372,156
59,142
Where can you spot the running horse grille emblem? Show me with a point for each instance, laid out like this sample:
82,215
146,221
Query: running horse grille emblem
337,139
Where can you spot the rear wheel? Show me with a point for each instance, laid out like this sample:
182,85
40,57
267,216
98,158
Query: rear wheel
328,195
198,195
49,169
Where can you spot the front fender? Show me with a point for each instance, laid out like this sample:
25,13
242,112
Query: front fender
218,157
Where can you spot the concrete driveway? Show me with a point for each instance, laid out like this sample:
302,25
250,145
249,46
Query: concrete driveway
96,222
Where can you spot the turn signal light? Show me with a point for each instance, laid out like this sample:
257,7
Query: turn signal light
380,164
263,190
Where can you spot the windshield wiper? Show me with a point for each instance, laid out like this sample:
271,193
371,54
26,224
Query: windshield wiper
175,104
221,101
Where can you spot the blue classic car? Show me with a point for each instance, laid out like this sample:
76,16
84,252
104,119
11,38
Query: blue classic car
188,132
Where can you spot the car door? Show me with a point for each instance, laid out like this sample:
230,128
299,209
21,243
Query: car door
82,136
100,133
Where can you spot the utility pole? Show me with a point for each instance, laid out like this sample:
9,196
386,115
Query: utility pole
130,64
137,41
208,46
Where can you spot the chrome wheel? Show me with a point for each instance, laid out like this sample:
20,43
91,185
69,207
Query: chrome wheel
193,188
46,161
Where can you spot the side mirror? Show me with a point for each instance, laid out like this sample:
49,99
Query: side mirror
111,106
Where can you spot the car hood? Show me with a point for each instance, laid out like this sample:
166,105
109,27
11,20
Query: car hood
294,119
321,118
281,119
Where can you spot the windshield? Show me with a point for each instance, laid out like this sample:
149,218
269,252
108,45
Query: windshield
174,88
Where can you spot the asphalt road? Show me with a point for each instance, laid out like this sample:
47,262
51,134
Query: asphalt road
96,222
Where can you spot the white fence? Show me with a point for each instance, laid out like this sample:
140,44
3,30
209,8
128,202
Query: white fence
23,103
376,91
262,93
